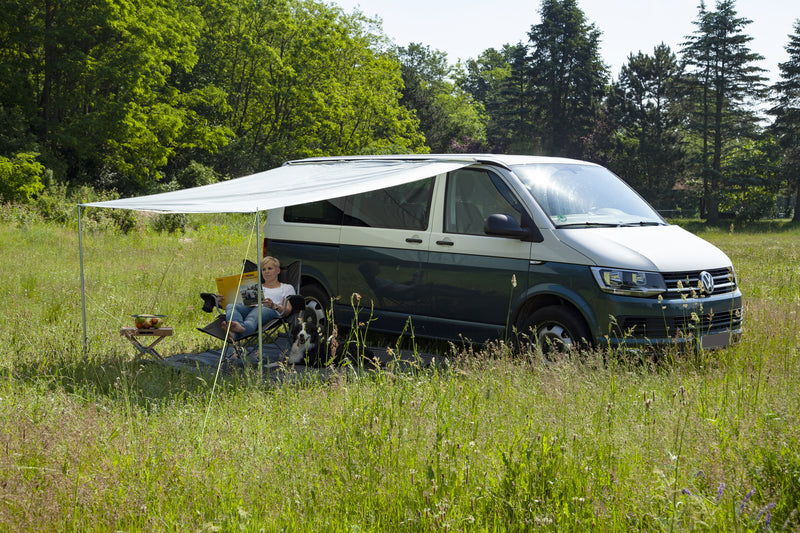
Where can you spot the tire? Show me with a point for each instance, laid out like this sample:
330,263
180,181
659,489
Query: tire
557,330
318,301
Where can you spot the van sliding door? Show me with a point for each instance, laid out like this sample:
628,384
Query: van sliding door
384,248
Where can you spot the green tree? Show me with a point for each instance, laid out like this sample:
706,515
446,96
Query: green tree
786,111
751,166
497,80
302,78
92,83
448,116
20,178
567,78
646,108
723,78
513,109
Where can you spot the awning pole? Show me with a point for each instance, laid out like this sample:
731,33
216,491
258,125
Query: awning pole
260,295
83,283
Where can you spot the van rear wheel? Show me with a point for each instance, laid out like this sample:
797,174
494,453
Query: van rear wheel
318,301
556,330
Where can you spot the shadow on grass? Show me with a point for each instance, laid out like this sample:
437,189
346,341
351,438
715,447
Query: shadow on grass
112,375
115,375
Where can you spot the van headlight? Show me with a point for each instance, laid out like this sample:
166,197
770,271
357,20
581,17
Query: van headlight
629,282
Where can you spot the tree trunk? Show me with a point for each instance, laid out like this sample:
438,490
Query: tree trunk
796,215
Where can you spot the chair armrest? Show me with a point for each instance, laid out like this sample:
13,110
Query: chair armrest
209,302
297,302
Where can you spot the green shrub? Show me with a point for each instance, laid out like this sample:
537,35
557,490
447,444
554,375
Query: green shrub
751,203
194,175
57,203
20,177
54,204
169,223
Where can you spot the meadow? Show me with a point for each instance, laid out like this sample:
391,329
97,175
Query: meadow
482,441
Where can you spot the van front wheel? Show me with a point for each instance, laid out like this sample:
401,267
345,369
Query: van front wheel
555,329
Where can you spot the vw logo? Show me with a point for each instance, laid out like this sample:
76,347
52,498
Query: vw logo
707,280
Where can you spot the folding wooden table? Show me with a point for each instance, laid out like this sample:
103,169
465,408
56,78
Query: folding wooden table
156,334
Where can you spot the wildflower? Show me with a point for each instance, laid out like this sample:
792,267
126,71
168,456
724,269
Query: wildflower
720,491
746,499
767,512
514,280
687,492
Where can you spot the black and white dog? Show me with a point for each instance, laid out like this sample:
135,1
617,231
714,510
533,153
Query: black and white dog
305,339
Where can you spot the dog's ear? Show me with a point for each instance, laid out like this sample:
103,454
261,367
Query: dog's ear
296,324
310,317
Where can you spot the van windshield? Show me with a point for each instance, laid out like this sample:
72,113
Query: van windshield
585,195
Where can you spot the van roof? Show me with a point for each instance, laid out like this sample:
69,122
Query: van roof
498,159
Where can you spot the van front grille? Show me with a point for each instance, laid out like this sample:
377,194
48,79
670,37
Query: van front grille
689,284
655,327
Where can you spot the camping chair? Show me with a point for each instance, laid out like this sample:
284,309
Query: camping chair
271,330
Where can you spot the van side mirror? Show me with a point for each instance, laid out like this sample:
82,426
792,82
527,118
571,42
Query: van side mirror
505,226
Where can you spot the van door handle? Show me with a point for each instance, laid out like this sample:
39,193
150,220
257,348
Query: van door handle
414,240
445,243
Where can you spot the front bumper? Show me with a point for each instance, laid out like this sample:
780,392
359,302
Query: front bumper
713,322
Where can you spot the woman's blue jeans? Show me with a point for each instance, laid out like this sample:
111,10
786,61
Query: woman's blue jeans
248,317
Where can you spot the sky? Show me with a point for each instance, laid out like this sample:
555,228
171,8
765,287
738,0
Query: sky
465,28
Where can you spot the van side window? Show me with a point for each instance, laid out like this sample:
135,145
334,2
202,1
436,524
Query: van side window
329,212
405,206
474,194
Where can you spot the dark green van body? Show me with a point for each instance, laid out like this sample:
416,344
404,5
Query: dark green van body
482,251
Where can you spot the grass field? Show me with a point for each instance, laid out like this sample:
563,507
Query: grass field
613,442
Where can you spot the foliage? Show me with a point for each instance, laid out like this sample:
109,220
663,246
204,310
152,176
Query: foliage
752,170
124,95
480,441
543,96
513,130
485,79
645,108
58,204
142,96
447,115
566,78
722,77
20,178
786,126
94,86
170,223
302,79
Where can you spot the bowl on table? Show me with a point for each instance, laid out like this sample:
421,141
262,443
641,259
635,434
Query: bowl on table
148,321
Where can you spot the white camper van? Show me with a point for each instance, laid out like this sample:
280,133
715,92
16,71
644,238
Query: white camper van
560,248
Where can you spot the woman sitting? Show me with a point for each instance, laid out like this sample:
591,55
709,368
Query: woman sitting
274,303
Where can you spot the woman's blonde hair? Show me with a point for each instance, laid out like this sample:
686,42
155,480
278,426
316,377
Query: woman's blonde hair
266,260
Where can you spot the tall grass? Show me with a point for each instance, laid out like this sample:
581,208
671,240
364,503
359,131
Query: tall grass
481,441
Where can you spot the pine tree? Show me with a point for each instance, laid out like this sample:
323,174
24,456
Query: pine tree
567,77
644,103
724,77
786,127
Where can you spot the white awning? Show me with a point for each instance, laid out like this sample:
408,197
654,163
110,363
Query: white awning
295,183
